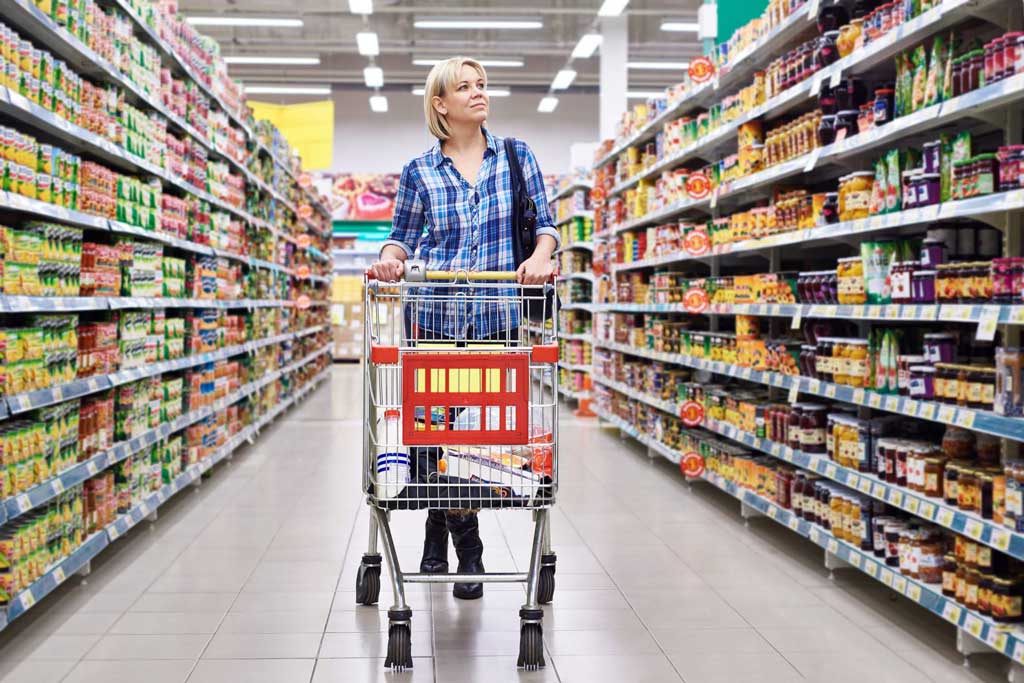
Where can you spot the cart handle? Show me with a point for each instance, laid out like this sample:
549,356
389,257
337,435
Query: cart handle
415,271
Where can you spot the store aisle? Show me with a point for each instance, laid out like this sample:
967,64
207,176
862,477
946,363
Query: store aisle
251,577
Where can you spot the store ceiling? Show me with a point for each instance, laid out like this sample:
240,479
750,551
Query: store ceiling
329,32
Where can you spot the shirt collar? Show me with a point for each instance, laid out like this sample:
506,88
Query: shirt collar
438,157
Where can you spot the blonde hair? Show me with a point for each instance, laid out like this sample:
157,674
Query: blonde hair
440,79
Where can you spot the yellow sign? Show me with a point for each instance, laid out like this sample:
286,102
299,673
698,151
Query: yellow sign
308,127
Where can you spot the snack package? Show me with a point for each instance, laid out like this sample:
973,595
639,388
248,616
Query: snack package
880,188
945,167
919,64
934,91
893,185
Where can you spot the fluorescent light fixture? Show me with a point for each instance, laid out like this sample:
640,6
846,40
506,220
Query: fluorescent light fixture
368,44
644,94
500,63
659,66
587,46
547,105
227,20
360,6
284,61
612,8
563,79
491,92
680,26
374,76
287,90
520,24
378,104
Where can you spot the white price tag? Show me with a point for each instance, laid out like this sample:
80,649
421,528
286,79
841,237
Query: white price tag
833,546
57,486
855,560
914,592
812,10
946,414
911,506
997,639
965,418
24,504
973,528
831,472
875,400
892,403
858,396
91,467
900,584
988,323
58,575
878,491
1018,652
714,197
973,625
896,497
872,569
836,78
773,512
794,392
27,599
812,159
830,391
814,386
928,511
887,577
794,324
864,486
927,411
113,533
1001,539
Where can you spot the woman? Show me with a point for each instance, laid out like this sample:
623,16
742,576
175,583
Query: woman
454,205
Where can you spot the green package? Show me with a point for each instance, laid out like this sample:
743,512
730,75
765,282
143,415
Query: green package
934,93
919,63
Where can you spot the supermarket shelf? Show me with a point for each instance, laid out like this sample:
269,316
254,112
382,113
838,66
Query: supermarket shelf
574,367
581,246
967,418
577,306
974,207
96,543
30,400
932,509
572,187
1005,640
576,214
966,313
583,336
586,277
575,395
12,201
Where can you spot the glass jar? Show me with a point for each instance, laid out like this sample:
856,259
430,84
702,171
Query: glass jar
883,106
968,490
939,347
830,209
846,126
813,419
793,426
949,580
922,382
922,284
950,483
1007,598
827,130
934,468
985,171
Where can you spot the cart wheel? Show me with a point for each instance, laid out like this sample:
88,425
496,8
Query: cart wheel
546,585
368,584
531,646
399,647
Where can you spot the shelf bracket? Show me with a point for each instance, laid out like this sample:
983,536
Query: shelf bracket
832,563
968,645
748,513
85,570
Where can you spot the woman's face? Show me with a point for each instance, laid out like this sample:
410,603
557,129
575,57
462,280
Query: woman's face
466,101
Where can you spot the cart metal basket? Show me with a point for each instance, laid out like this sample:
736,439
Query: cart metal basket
460,413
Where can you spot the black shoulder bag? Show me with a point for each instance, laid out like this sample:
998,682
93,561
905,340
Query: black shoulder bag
524,232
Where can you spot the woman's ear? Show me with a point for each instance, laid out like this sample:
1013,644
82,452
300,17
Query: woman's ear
439,106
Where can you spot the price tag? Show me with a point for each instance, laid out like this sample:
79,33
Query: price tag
812,10
714,197
27,599
831,472
873,311
974,529
113,533
24,504
794,392
973,625
830,391
837,76
1000,539
91,467
794,523
1018,652
855,560
927,411
776,449
773,511
794,324
914,592
988,323
878,491
814,386
965,418
911,505
927,510
872,569
144,509
900,584
875,400
58,487
853,481
997,639
892,403
946,414
58,574
858,396
887,578
815,535
864,486
896,497
945,517
833,546
812,160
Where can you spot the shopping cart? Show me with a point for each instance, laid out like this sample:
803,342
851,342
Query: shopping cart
460,414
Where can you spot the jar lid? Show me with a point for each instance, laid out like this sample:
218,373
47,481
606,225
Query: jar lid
926,369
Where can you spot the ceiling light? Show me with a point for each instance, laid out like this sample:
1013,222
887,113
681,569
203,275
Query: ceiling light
587,46
368,44
659,66
487,63
547,105
612,8
679,26
286,61
286,90
563,79
244,21
645,94
465,24
378,104
360,6
374,76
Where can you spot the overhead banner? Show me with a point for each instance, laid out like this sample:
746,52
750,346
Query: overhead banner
308,127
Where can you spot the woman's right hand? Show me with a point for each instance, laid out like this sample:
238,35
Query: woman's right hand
388,269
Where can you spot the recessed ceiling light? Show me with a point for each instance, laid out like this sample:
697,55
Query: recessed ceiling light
500,63
659,66
587,46
244,21
547,105
373,76
478,23
563,79
287,90
679,26
284,61
612,8
368,44
645,94
360,6
378,104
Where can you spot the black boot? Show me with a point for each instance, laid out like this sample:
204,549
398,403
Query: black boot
435,544
465,531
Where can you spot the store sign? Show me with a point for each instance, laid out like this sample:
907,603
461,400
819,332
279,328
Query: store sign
302,271
691,413
304,241
302,303
692,465
697,243
701,70
305,212
698,185
695,300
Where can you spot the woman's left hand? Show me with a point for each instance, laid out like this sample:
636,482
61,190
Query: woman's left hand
535,270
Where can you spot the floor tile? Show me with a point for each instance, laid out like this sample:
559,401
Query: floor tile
34,671
614,668
253,671
184,602
726,667
263,646
43,647
464,669
149,647
150,671
372,671
142,623
700,642
358,645
613,642
275,622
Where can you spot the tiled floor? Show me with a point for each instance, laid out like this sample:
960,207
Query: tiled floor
251,579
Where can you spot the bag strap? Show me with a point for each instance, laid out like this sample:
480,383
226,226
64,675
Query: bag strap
513,163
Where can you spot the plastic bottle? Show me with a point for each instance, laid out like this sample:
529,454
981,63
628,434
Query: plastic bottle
392,458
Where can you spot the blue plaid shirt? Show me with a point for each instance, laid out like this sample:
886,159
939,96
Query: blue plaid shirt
458,226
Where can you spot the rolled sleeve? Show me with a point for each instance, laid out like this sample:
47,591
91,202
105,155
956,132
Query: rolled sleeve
409,219
409,251
538,192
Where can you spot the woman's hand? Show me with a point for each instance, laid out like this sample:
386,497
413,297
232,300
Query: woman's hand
388,269
535,270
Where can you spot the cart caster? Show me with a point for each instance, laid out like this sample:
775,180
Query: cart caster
368,580
399,642
531,640
546,580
